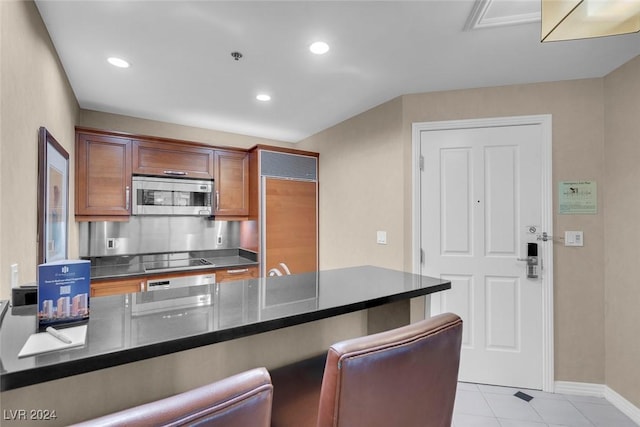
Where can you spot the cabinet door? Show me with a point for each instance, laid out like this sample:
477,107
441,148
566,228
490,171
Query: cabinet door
236,273
291,226
103,175
168,159
232,183
117,286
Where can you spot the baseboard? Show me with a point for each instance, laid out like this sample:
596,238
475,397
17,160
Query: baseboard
600,390
627,408
580,389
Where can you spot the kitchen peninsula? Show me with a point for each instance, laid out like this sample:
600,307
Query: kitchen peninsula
127,331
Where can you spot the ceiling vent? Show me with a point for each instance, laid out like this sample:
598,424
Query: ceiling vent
499,13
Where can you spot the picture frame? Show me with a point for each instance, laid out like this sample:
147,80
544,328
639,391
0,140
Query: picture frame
53,199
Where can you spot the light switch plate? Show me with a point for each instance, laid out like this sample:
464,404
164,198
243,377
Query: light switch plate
14,275
382,237
573,238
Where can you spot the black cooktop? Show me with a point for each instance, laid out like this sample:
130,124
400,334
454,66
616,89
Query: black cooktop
177,264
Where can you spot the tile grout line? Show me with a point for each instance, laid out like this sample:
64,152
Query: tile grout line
488,404
560,397
564,400
544,421
581,413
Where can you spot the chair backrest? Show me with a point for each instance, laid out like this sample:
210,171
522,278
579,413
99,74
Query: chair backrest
239,400
403,377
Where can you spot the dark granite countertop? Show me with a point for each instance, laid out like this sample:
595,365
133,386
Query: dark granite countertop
138,265
132,327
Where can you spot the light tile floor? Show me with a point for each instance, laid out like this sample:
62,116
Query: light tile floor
479,405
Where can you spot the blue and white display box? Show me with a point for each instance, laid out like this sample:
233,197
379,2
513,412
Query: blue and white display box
63,292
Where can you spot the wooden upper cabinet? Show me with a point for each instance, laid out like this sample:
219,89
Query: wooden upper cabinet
106,161
103,176
169,159
231,183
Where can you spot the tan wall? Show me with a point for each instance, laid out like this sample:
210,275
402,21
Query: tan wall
366,181
134,125
2,267
622,233
35,92
361,177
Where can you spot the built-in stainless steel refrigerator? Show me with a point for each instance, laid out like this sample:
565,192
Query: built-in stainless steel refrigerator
289,213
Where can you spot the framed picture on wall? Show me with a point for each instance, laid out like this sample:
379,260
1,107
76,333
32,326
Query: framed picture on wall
53,199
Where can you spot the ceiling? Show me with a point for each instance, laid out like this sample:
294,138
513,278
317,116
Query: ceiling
182,70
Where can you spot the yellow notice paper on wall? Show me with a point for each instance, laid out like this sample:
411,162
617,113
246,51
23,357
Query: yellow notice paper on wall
578,197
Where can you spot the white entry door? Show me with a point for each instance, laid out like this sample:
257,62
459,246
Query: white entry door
482,200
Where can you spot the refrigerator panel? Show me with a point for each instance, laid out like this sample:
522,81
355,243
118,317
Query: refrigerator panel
291,226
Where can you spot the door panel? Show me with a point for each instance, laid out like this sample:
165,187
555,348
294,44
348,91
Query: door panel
501,200
503,313
480,192
456,197
291,225
459,299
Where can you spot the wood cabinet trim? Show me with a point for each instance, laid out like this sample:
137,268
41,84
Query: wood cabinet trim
149,138
118,286
125,285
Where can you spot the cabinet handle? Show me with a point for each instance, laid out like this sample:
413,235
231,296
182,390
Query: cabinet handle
180,173
238,271
141,286
217,200
127,194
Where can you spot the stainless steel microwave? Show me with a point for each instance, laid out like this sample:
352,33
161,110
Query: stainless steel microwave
170,196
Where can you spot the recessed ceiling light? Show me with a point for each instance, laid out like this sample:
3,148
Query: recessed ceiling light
263,97
319,48
118,62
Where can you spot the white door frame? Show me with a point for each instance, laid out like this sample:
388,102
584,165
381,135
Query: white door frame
547,216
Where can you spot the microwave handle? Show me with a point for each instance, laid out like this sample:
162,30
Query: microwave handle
127,194
179,173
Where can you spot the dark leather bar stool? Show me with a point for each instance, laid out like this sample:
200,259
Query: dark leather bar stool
238,401
403,377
